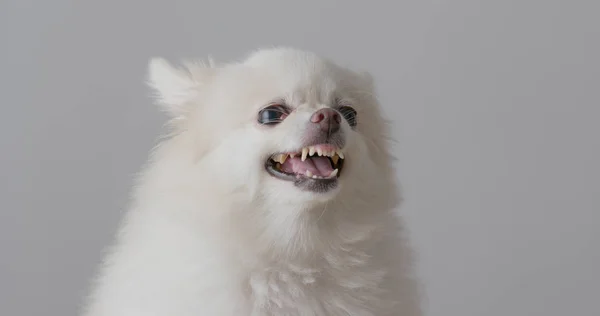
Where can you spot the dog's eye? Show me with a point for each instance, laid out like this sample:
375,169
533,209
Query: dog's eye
272,115
349,114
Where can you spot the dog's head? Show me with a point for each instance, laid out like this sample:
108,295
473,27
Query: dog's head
285,125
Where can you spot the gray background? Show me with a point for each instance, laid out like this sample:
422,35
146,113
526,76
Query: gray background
496,103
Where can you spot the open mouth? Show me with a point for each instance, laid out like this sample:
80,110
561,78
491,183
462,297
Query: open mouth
321,163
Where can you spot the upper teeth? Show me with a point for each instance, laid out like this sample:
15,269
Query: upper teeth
306,152
311,150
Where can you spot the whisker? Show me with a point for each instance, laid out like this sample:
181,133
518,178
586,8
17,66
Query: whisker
324,210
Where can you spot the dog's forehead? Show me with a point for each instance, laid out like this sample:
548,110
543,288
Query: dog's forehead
298,74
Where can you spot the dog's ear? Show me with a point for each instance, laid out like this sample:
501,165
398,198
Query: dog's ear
177,89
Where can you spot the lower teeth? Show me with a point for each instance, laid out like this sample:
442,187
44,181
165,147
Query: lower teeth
309,174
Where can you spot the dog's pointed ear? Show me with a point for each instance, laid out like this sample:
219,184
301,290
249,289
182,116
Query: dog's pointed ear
176,89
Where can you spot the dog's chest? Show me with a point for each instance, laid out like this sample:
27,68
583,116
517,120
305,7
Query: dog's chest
288,289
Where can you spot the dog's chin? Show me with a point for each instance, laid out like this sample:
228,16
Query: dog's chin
303,193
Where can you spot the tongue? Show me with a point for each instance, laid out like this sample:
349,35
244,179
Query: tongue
319,166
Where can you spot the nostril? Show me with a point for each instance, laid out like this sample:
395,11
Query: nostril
318,117
336,117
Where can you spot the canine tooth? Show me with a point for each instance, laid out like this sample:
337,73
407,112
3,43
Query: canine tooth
311,150
333,173
335,158
309,174
304,153
281,158
339,152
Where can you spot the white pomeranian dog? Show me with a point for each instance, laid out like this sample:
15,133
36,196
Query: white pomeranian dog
273,193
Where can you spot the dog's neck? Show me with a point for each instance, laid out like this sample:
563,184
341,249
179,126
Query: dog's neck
296,234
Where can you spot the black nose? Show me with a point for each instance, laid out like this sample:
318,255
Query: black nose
327,119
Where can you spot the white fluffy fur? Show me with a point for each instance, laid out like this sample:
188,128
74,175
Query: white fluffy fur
209,232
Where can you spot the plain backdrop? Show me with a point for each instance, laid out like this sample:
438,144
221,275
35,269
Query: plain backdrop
496,107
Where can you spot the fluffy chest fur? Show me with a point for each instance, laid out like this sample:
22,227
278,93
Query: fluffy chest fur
162,267
349,286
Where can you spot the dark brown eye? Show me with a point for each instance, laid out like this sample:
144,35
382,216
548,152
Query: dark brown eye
271,115
349,114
